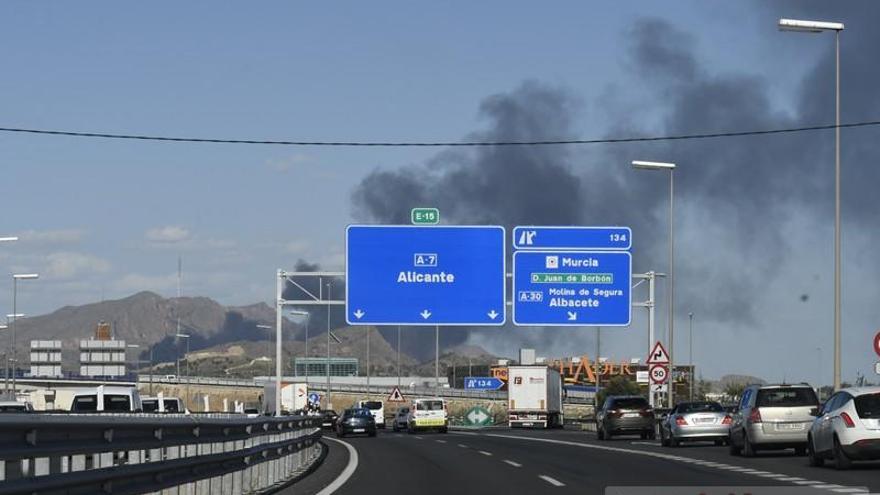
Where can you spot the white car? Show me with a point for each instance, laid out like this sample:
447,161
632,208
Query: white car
426,414
847,428
401,419
377,409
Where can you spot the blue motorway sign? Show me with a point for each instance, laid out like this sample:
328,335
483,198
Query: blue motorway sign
314,398
482,383
415,275
572,238
572,288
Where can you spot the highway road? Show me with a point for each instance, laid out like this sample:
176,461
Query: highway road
504,461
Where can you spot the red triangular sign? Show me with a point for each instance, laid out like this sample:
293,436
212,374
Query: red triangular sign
658,355
396,396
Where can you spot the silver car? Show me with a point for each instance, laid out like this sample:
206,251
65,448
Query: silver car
690,421
773,417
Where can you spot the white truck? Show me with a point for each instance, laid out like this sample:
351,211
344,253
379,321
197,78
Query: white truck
294,397
534,397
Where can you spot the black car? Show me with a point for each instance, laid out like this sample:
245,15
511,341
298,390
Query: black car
328,418
354,421
625,415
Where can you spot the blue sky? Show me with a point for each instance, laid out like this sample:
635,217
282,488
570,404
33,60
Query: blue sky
108,218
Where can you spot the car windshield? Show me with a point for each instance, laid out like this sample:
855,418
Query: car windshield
373,404
171,405
629,403
118,403
868,406
85,403
430,405
695,407
357,413
151,405
786,397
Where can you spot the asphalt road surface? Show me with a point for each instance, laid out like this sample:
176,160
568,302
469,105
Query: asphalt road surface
504,461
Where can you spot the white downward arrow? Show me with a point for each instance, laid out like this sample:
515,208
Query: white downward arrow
425,314
572,315
359,314
493,314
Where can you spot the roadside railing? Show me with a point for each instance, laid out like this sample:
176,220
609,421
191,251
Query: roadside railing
148,453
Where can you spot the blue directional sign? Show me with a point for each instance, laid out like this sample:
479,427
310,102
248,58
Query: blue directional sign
482,383
572,288
414,275
571,238
314,398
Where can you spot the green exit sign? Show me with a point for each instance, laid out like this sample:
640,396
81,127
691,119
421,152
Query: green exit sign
422,216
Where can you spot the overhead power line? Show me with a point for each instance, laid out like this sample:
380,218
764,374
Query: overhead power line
680,137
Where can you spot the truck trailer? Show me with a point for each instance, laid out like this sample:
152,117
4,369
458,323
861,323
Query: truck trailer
534,397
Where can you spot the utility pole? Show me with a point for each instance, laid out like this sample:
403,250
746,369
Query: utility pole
598,353
437,355
398,356
691,351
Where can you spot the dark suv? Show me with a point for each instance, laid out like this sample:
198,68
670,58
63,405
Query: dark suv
625,415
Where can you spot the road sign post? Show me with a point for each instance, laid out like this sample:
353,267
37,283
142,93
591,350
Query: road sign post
411,275
477,416
572,288
482,383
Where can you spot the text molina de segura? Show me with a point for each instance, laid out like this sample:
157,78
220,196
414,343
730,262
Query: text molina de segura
581,298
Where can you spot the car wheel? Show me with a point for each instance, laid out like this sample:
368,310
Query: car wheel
607,433
748,447
812,457
719,442
841,461
664,442
372,433
674,442
395,428
652,435
800,451
732,448
600,433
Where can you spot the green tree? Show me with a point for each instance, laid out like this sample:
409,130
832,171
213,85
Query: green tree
734,390
619,385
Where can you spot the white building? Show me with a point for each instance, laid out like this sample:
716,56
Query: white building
45,358
102,358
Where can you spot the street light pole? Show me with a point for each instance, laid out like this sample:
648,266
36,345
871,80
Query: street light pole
268,350
186,356
6,370
671,308
398,356
327,364
15,278
691,352
837,27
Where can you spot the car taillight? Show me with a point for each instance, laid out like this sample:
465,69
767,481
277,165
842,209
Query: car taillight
647,413
847,420
755,416
727,420
680,421
614,413
514,416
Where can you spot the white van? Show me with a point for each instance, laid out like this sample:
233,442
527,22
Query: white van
103,398
425,414
377,409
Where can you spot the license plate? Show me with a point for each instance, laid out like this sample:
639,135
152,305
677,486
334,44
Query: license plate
631,415
528,424
430,422
789,426
705,420
359,430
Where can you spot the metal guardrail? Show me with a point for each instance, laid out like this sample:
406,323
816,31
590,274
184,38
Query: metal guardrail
414,392
148,453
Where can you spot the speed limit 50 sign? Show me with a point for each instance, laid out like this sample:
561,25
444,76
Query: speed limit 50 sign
659,373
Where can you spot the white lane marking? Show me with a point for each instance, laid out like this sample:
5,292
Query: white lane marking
418,437
650,444
462,445
464,433
514,464
660,455
551,480
346,473
849,490
485,453
440,441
